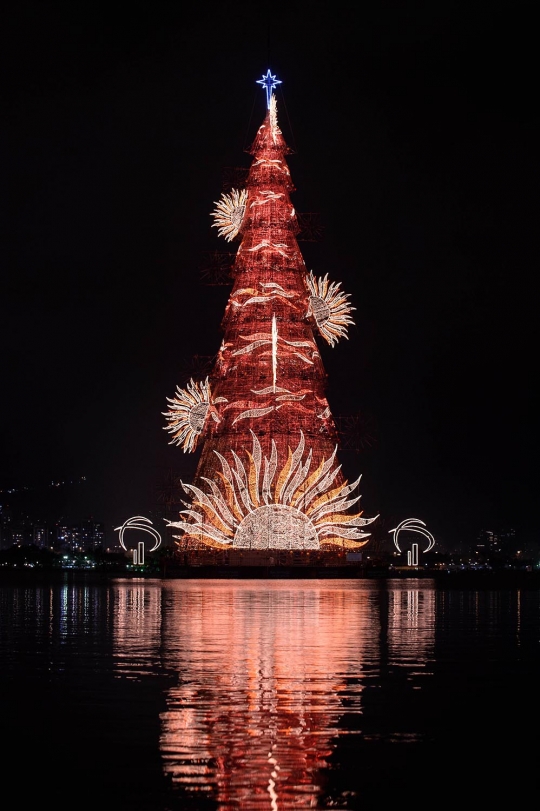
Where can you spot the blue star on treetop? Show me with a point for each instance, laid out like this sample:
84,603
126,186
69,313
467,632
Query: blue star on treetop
269,82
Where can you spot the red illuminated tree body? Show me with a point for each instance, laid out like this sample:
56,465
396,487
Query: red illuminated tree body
267,475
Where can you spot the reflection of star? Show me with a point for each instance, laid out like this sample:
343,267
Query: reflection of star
269,82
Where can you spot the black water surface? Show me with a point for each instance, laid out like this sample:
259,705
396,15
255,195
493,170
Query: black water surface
166,694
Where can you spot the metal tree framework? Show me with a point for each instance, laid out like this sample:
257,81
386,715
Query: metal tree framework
268,477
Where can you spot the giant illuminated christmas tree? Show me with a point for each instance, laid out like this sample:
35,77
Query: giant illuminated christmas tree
267,477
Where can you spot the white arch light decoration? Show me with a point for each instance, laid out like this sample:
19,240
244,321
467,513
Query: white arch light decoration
144,524
413,525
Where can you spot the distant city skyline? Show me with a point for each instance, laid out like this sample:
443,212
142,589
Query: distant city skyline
27,522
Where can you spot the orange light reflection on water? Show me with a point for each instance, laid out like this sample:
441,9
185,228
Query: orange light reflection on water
265,675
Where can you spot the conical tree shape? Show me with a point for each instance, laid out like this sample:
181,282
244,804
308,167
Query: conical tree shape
267,477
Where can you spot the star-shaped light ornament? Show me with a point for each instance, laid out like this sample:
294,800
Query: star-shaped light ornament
269,83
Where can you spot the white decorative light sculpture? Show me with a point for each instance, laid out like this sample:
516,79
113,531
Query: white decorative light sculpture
413,525
189,409
329,307
141,523
229,213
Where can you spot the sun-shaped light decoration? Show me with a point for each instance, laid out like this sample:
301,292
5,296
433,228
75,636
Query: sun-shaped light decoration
229,213
262,506
330,308
188,413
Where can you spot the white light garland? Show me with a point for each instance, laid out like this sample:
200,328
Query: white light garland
277,247
274,126
274,351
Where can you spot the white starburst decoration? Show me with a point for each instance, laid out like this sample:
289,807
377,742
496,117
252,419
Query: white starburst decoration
330,308
188,413
229,213
264,506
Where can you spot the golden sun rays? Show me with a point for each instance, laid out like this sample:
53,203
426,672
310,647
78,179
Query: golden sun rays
265,505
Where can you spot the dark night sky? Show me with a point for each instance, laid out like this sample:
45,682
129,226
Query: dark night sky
415,136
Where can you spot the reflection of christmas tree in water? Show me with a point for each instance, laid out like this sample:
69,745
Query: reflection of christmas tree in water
265,683
257,712
268,476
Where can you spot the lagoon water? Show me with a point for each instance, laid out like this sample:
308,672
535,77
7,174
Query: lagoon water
267,694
